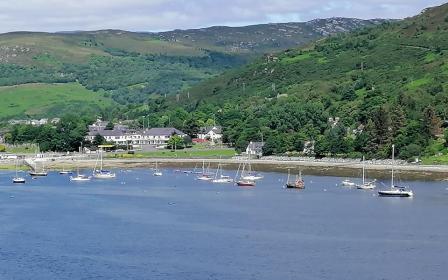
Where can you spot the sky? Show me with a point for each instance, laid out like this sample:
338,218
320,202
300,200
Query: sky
161,15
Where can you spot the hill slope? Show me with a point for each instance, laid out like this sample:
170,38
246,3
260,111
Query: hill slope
134,65
39,100
385,85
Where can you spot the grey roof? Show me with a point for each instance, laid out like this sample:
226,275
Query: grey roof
207,129
163,131
103,132
256,146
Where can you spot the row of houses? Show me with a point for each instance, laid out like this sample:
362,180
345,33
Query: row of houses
35,122
153,136
123,135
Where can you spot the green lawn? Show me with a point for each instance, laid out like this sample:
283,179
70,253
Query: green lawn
22,149
215,153
296,58
435,160
38,100
418,83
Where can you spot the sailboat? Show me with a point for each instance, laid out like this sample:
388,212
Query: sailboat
195,169
205,176
102,173
36,173
395,191
80,177
157,172
365,185
17,179
219,177
242,182
251,176
298,183
348,183
65,172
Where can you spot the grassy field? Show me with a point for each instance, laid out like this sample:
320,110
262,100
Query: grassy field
215,153
22,149
38,99
435,160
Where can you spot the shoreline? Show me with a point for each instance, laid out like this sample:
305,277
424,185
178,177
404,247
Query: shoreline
342,169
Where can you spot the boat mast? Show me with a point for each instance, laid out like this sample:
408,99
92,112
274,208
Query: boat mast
237,172
101,159
393,163
363,170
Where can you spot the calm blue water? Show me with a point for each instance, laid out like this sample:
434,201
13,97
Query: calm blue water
174,227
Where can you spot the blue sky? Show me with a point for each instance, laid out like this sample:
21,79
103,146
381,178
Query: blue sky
159,15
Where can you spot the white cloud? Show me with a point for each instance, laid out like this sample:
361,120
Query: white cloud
154,15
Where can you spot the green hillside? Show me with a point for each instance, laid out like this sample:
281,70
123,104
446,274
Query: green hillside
134,66
386,84
39,100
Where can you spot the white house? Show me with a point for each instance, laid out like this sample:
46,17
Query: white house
212,133
255,149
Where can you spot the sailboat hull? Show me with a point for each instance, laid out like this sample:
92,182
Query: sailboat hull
245,184
38,174
80,178
18,181
295,185
395,193
222,180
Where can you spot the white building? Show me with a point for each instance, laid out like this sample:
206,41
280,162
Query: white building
255,149
212,133
123,136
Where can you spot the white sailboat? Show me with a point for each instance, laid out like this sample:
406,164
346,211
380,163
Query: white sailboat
102,173
17,179
395,191
80,177
366,185
205,176
221,178
65,172
347,183
157,172
251,175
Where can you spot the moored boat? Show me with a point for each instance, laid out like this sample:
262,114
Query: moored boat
38,173
102,173
347,183
157,172
80,178
298,183
245,183
17,179
220,178
395,191
366,185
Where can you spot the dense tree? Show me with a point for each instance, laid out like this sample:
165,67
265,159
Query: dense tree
175,142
